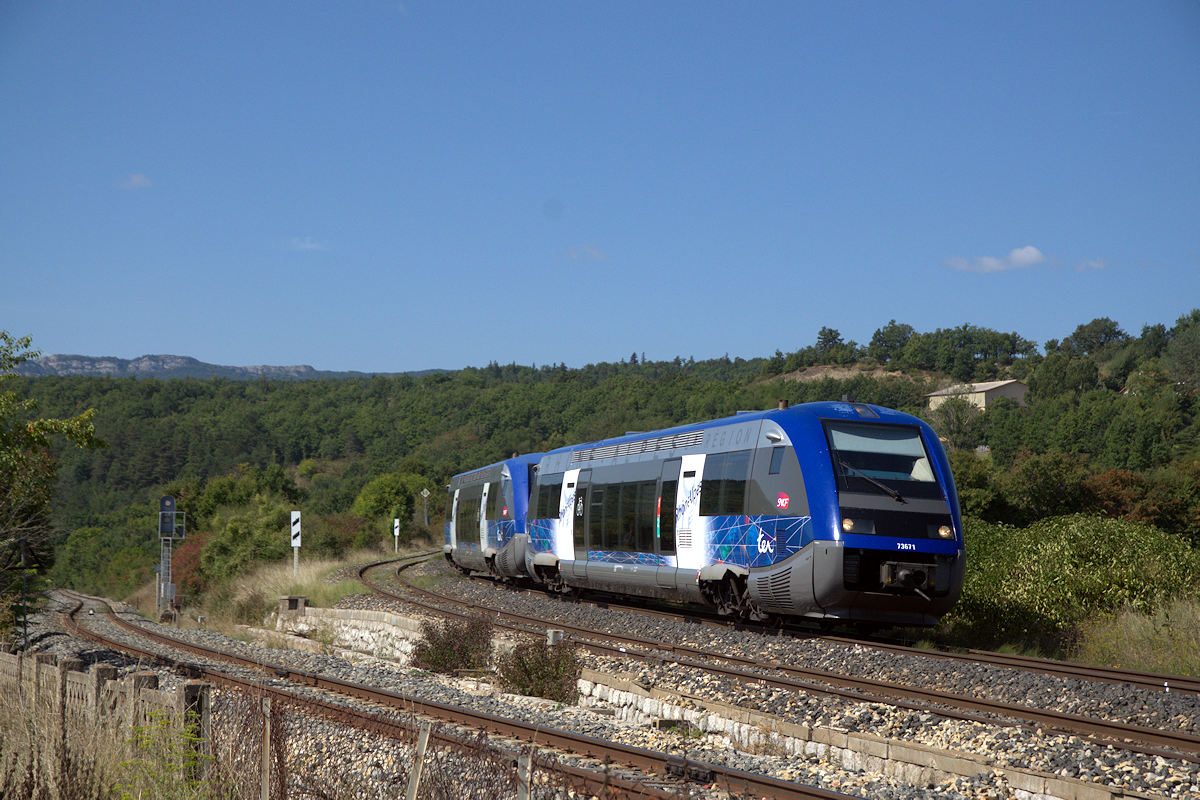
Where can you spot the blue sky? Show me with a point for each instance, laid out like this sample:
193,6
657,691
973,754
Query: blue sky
386,186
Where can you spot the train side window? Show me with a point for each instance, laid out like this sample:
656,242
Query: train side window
549,495
637,518
596,519
621,517
467,519
613,534
776,460
723,487
496,498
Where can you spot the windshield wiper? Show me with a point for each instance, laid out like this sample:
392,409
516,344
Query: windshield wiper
889,490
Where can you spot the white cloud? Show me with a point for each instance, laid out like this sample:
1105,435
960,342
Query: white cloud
1020,258
305,244
587,252
135,181
1095,263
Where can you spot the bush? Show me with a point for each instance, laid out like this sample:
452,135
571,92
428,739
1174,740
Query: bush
453,644
1044,485
252,607
539,669
1035,585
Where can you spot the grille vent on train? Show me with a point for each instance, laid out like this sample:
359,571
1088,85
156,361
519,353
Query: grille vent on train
677,440
504,563
777,590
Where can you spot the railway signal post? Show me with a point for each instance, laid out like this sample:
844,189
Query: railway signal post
172,527
295,544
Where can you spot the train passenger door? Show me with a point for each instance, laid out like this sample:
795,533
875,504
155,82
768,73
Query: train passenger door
483,504
564,546
668,494
579,523
691,536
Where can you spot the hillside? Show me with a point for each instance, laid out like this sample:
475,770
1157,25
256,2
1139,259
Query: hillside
169,366
1110,427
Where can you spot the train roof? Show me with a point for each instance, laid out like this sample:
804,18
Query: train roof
524,459
817,410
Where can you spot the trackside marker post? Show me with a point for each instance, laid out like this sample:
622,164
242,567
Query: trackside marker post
396,533
295,544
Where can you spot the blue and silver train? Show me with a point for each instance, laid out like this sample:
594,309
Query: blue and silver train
838,512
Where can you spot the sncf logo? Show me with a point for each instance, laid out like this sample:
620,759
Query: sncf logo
782,501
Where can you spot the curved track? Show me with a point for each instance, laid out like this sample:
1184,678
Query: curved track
735,782
1129,737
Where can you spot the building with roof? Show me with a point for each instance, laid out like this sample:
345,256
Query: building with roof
980,394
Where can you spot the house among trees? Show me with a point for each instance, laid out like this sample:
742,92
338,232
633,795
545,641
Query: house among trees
980,394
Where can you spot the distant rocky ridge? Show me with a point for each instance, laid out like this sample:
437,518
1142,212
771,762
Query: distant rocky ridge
162,366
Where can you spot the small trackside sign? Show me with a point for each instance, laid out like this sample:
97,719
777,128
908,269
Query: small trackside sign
782,501
295,529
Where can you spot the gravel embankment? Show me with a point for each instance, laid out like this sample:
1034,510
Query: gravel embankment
1004,746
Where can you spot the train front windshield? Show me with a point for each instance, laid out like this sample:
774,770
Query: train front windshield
881,458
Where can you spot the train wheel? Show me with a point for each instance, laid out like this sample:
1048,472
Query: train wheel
726,595
552,579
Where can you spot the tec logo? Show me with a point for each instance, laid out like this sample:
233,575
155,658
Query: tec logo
782,501
766,543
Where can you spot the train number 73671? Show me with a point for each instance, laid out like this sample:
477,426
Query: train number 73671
905,546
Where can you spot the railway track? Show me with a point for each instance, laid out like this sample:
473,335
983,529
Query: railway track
1150,741
663,771
1063,669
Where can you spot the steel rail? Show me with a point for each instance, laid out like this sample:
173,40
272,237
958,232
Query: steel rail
1063,669
732,780
1126,736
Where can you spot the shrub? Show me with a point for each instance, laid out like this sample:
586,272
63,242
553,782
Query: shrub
1035,585
1044,485
977,495
453,644
539,669
252,607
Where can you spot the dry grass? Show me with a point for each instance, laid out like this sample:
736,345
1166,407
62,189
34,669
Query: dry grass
250,598
45,756
1167,641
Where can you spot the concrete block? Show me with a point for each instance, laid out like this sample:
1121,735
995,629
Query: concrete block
868,745
830,736
956,765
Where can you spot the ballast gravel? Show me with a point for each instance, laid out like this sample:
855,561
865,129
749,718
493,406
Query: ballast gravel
1018,747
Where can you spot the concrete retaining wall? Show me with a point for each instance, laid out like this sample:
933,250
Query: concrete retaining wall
912,763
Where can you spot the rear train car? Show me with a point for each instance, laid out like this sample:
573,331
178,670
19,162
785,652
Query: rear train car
832,511
485,517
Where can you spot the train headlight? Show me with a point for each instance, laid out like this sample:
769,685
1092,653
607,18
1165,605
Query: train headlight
946,532
858,525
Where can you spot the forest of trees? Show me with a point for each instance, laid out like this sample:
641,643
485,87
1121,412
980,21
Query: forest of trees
1110,426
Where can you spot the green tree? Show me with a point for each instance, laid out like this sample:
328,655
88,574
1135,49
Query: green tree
27,474
1045,485
958,422
1182,358
1094,336
827,339
887,343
